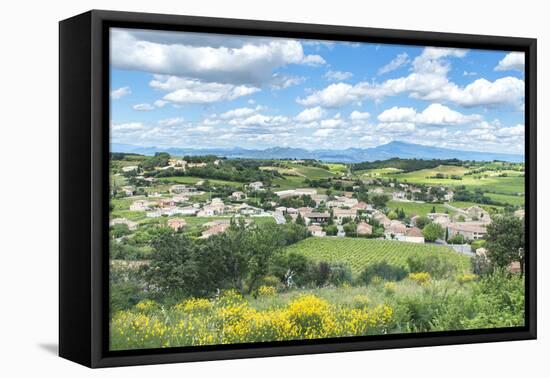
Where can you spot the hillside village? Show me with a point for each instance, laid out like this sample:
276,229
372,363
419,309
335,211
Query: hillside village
360,209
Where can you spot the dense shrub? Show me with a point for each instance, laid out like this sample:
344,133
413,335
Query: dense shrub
125,289
481,265
126,251
292,269
496,300
382,270
457,239
331,230
432,232
436,265
421,278
119,230
340,273
124,295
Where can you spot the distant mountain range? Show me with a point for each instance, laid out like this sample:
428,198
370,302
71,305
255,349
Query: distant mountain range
393,149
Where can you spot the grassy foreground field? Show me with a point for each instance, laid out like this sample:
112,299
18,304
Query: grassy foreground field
359,253
377,309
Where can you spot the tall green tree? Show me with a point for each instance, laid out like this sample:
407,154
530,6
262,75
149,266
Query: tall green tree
380,200
172,267
506,241
300,220
260,246
432,232
421,222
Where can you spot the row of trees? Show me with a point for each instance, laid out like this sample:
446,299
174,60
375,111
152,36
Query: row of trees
238,258
406,165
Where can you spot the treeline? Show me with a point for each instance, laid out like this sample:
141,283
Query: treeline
229,170
406,165
239,258
316,164
124,156
335,184
297,201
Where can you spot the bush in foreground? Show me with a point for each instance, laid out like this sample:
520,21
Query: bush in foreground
384,271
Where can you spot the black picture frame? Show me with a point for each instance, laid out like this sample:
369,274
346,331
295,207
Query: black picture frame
84,187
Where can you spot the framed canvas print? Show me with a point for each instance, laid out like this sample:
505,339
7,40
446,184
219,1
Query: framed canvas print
233,188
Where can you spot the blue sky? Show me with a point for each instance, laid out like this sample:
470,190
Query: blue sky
178,89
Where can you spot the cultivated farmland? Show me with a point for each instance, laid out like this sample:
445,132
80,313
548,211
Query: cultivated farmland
359,253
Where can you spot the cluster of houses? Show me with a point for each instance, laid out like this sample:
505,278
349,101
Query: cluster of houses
183,165
177,204
409,193
471,223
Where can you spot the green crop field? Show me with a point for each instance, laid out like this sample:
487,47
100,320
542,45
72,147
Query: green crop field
313,173
414,208
509,199
289,182
294,169
378,172
337,167
282,170
508,185
359,253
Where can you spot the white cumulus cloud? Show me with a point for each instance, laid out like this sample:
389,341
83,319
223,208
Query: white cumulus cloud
193,91
120,92
143,107
434,114
395,63
427,81
171,121
512,61
250,61
338,75
359,116
311,114
239,112
131,126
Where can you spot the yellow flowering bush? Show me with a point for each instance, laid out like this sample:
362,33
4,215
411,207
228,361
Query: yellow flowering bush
267,291
230,319
465,278
421,278
311,315
360,301
230,297
139,329
389,288
194,305
146,306
354,322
